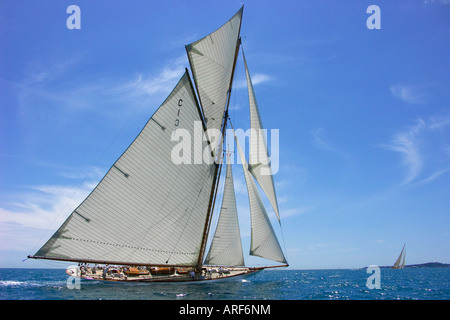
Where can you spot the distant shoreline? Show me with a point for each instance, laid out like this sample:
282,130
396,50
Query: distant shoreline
424,265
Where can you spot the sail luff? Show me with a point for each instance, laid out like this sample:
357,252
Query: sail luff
259,160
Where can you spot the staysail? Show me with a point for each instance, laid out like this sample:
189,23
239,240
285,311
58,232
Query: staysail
147,209
212,61
259,161
226,247
264,242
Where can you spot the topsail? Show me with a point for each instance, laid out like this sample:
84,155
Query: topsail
212,60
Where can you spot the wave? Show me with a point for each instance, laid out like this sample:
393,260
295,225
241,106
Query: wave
11,283
15,283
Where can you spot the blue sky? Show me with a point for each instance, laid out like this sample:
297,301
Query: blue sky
363,115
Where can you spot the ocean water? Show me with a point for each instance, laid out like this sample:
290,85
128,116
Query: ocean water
405,284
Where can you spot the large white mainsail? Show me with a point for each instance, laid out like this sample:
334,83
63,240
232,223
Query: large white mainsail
146,210
264,242
212,61
226,247
259,161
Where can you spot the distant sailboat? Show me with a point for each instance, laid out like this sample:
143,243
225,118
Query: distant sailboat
400,262
148,219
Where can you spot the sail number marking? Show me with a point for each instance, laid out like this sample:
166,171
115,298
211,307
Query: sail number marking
180,104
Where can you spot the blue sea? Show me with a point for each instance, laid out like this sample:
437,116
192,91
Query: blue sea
405,284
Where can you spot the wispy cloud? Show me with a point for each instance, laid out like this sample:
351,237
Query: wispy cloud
419,145
406,143
285,213
162,82
435,175
438,1
257,79
43,208
50,99
43,204
439,122
54,87
319,139
408,93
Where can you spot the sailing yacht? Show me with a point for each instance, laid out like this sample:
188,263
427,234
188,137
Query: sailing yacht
400,262
149,219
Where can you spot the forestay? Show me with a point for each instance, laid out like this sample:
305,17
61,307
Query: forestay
146,210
